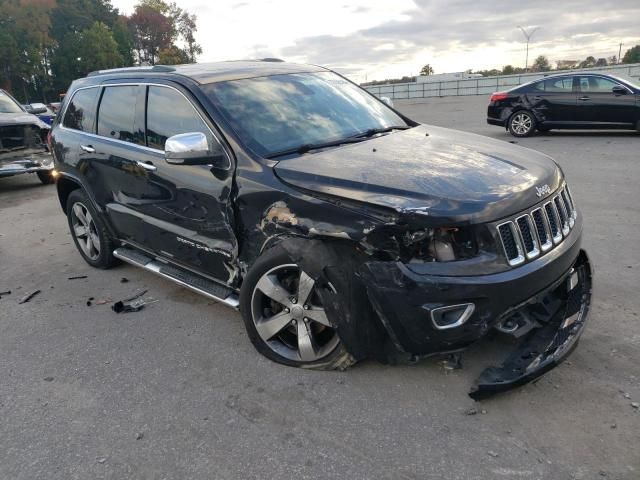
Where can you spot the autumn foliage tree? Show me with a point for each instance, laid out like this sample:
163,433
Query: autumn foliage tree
46,44
156,27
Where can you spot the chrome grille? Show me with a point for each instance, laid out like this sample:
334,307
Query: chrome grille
537,231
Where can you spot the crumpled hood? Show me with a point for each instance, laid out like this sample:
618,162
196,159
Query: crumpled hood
436,172
21,118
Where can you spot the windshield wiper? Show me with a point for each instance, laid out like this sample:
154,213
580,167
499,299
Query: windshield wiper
359,137
314,146
374,131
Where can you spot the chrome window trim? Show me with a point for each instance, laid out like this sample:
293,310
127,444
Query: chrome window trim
144,147
534,236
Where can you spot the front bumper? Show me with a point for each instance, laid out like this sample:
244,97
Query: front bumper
404,299
29,162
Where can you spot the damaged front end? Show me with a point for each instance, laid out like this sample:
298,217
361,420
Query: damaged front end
421,290
23,146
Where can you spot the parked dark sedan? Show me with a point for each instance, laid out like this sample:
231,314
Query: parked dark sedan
572,101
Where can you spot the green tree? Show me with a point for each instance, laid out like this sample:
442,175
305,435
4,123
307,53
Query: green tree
426,70
173,56
508,70
632,55
588,62
602,62
541,64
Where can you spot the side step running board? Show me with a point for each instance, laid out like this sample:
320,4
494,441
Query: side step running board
182,277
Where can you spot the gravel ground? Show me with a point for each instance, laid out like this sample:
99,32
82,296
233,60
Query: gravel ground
176,391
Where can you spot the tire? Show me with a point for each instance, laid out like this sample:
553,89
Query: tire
522,124
45,177
95,245
276,321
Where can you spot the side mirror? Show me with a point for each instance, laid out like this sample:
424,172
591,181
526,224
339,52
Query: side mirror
36,108
387,100
194,149
618,90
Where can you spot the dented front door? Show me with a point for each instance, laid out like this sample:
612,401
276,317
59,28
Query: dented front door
181,212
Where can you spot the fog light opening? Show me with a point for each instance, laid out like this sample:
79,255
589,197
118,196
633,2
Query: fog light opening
451,316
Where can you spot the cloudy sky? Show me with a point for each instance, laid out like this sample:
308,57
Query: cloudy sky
377,39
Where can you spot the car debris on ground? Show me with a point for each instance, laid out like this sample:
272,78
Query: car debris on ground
132,304
29,296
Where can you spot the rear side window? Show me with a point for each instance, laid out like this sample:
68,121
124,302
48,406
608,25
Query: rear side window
117,113
559,85
80,113
168,114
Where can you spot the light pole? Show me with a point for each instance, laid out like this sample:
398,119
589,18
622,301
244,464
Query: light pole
528,36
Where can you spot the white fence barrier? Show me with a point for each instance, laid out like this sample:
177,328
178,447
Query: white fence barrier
486,85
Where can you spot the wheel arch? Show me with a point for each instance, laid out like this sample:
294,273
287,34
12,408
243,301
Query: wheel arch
65,185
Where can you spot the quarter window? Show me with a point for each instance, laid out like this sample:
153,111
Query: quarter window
117,113
168,114
596,85
80,113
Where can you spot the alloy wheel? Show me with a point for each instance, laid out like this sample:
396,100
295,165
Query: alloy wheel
522,123
85,231
289,316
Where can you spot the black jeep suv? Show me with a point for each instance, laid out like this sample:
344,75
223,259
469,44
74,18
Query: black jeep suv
339,227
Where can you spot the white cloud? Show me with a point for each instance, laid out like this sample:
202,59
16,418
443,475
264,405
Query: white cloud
382,38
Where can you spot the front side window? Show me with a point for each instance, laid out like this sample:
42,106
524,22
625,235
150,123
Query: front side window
8,105
282,112
80,113
117,113
596,85
559,85
168,114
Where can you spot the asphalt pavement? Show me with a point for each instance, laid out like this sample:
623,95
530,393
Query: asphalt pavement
176,391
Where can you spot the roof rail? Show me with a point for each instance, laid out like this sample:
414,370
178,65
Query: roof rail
269,59
154,68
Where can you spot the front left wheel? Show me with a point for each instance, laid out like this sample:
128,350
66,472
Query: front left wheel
285,318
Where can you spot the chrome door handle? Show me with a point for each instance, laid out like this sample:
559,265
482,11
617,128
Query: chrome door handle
147,166
584,98
87,148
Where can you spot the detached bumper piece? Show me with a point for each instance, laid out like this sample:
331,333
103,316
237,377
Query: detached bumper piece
566,305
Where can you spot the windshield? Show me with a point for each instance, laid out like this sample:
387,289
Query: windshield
283,112
8,105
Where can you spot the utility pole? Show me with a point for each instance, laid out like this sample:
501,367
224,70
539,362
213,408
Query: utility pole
620,53
528,36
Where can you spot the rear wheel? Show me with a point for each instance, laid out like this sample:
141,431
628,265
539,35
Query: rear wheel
89,233
285,318
46,177
522,124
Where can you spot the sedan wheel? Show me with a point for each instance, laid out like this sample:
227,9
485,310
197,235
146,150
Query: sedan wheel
85,231
289,317
521,124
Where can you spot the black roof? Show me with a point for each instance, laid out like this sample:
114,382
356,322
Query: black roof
217,71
